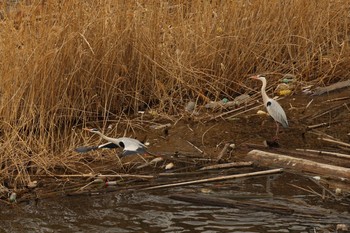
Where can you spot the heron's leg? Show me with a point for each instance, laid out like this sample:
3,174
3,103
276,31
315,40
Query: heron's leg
277,130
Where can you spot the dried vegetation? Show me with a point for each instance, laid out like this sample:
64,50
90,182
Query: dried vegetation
65,64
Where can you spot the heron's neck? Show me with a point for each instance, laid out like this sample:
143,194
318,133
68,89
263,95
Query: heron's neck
105,137
263,91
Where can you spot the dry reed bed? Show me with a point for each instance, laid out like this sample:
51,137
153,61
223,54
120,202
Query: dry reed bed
67,64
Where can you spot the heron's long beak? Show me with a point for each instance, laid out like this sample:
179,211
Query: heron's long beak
87,129
254,77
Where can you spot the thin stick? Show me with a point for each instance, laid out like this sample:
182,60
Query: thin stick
223,151
227,165
338,99
317,125
213,179
230,117
195,147
334,141
99,176
323,124
308,105
320,152
319,114
234,110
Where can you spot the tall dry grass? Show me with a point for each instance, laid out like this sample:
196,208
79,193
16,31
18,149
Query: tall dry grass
70,63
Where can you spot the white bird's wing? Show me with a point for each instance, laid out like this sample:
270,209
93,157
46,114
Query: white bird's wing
109,145
276,112
132,146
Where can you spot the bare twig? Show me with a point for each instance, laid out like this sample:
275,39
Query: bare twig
213,179
99,176
320,152
339,99
338,142
195,147
323,124
227,165
223,151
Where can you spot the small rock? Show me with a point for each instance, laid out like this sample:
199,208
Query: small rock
206,190
98,180
169,166
32,184
13,197
262,113
156,160
242,99
232,146
338,191
342,227
190,106
160,126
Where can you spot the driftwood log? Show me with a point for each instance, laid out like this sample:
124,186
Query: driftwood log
268,159
215,179
333,87
225,202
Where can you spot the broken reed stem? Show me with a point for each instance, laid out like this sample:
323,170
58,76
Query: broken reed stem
338,142
235,110
223,151
319,114
320,152
214,179
227,165
99,176
195,147
226,202
323,124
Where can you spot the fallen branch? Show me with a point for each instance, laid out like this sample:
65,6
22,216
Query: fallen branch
340,155
225,202
223,151
333,87
213,179
321,113
99,176
271,160
234,110
227,165
334,141
338,99
195,147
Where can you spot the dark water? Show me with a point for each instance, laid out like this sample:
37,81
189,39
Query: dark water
155,212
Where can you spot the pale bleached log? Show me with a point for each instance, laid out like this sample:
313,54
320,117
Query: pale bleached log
268,159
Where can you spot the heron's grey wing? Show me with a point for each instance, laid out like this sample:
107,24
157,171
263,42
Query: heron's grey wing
132,146
132,152
84,149
276,112
109,145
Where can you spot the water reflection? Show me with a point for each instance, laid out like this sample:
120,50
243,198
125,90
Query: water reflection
153,212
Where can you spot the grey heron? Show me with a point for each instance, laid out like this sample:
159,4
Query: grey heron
272,106
130,145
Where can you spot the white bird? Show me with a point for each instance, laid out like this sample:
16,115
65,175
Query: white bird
130,145
272,106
